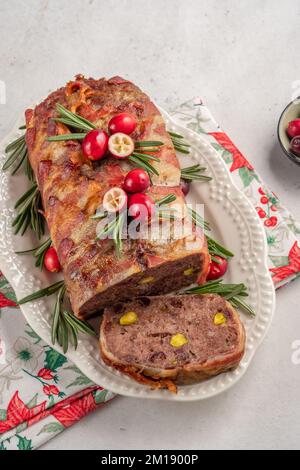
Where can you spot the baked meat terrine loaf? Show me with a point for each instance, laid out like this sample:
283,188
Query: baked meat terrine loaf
170,340
72,189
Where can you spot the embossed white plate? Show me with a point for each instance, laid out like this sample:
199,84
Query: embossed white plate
234,223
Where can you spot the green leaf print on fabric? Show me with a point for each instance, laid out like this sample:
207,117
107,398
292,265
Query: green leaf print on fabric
54,360
2,447
24,443
100,396
32,334
81,379
279,261
33,402
52,428
247,176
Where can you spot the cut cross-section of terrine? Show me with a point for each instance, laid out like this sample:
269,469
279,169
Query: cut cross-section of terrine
170,340
72,189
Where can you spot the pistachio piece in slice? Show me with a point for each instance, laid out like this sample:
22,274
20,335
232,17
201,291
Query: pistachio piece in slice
178,340
128,318
219,319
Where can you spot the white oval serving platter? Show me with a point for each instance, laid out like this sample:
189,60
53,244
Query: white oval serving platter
234,223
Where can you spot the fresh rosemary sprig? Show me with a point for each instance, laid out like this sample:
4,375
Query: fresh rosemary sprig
230,292
114,228
29,212
216,249
198,220
65,326
166,200
164,211
64,137
46,292
38,253
58,330
194,173
179,144
29,171
74,121
17,155
73,326
99,215
148,143
142,161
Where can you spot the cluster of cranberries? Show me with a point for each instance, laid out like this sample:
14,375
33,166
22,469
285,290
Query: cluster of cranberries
97,143
131,196
119,144
293,131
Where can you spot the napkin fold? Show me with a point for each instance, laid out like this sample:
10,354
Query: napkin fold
41,391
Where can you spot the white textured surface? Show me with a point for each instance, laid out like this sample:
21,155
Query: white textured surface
242,57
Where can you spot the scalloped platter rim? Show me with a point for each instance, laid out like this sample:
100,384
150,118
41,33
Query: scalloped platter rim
241,230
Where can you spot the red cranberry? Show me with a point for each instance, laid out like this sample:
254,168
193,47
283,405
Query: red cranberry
124,122
141,206
293,129
217,269
185,187
95,144
136,181
51,261
295,145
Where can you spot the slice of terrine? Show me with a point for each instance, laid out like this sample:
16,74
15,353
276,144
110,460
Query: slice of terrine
165,341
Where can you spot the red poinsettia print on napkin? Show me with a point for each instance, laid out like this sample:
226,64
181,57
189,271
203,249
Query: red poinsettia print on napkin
292,268
5,302
239,161
18,413
69,410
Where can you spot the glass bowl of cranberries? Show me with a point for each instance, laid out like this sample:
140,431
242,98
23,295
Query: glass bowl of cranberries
289,131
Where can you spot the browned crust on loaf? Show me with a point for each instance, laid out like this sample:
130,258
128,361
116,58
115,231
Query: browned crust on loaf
72,189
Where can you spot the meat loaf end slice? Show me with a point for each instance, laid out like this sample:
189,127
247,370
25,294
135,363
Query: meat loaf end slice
146,350
73,188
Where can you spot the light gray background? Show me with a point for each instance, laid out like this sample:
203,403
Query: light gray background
242,57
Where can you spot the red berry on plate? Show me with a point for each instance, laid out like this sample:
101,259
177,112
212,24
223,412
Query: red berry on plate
136,181
51,261
295,145
185,187
124,122
274,208
120,145
115,200
293,128
264,200
94,145
261,191
217,268
141,206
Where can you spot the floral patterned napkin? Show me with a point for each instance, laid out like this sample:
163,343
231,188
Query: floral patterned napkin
281,228
41,391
